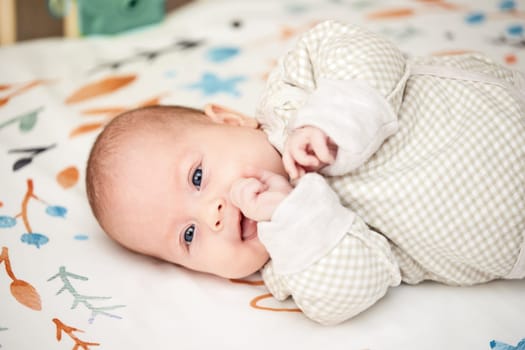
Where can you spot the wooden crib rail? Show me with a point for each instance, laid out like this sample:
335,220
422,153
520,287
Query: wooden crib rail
29,19
7,22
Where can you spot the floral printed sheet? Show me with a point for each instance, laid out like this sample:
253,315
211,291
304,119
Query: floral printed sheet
65,285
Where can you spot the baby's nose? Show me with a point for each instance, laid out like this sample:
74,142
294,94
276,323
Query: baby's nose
214,214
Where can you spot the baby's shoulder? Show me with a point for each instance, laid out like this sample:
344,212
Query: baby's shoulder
472,62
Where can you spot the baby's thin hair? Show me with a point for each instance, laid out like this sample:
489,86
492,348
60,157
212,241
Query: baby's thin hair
108,144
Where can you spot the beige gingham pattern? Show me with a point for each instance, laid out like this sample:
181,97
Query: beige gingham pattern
370,59
356,273
447,190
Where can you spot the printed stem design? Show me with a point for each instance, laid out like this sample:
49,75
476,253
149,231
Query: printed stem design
22,89
79,344
78,298
29,194
254,301
4,258
26,120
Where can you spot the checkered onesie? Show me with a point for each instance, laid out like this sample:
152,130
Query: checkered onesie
429,179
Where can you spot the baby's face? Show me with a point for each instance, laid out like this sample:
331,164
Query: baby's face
172,199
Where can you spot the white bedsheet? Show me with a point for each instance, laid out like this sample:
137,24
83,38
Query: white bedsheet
55,95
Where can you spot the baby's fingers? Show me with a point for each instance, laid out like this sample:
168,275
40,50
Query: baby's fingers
276,182
289,165
304,158
243,193
257,198
320,145
292,168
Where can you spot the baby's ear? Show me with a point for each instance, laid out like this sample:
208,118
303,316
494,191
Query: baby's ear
223,115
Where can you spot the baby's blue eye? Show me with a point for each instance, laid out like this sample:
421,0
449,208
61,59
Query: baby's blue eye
188,234
196,178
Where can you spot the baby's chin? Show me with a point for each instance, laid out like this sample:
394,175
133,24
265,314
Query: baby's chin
241,275
249,268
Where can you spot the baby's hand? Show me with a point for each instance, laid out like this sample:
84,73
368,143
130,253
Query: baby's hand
258,195
307,149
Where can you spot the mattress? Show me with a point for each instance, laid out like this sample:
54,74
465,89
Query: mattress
65,285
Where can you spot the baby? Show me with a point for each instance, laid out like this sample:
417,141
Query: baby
404,170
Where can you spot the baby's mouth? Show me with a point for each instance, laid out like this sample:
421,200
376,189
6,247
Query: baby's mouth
248,228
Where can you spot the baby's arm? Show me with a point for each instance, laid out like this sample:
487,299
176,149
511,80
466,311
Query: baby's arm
343,80
323,255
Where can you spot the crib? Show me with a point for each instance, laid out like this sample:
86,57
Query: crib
65,285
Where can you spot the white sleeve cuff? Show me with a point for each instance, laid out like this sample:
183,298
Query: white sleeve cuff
354,115
307,225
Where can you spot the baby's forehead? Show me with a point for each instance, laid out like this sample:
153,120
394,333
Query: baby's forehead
146,132
147,136
141,144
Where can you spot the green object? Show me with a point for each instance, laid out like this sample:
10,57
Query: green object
110,16
113,16
58,7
